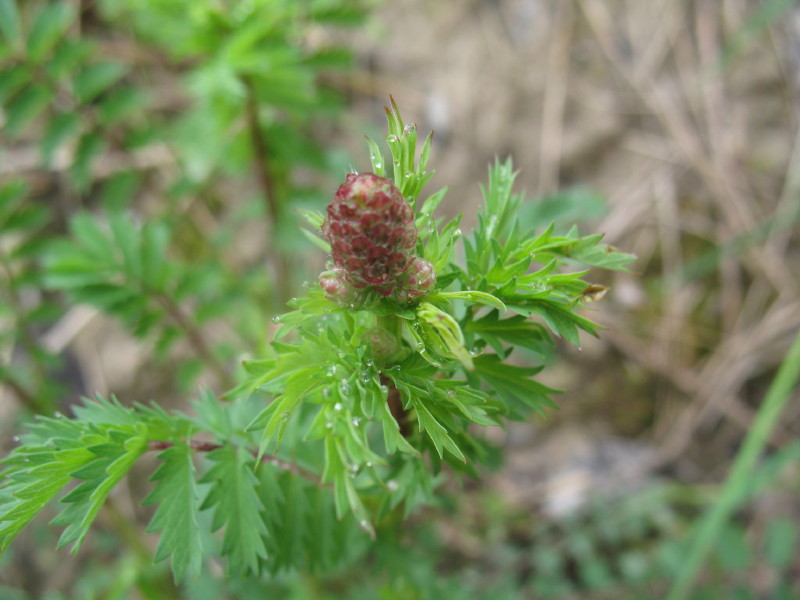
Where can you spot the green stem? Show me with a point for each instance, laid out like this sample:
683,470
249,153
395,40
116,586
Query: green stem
266,182
196,338
393,325
740,476
35,403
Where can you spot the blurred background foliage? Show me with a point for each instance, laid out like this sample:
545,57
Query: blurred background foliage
153,155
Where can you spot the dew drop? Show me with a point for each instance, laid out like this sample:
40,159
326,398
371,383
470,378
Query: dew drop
392,485
475,351
363,523
410,128
420,346
369,362
369,463
378,165
15,439
337,406
331,371
326,392
329,425
365,377
344,387
356,421
391,138
285,416
457,233
276,319
451,393
58,415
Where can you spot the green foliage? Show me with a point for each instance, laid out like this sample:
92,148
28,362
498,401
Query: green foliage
353,416
176,517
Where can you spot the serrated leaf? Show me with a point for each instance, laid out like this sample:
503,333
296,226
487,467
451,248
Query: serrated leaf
102,411
47,472
557,316
177,514
114,457
237,507
514,384
516,330
436,431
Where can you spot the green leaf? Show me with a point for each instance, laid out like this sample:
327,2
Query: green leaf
102,411
9,21
90,145
47,471
70,56
516,330
25,107
95,79
556,315
120,104
61,128
514,384
317,241
780,542
115,454
177,514
12,79
236,507
474,297
50,24
438,434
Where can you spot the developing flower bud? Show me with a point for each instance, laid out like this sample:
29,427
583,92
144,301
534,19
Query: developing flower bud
336,287
420,279
370,227
383,345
